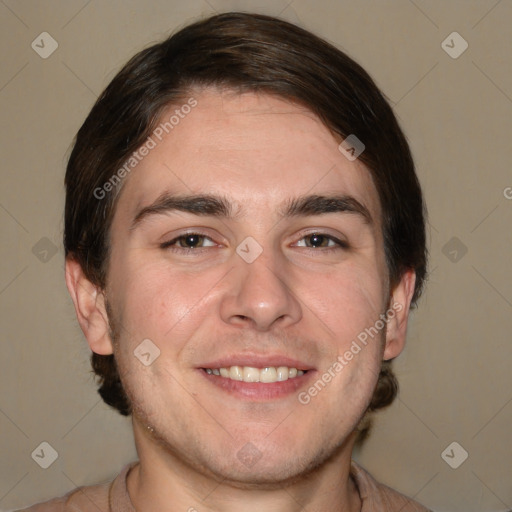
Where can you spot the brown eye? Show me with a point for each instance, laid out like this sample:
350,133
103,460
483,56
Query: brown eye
321,241
188,241
317,240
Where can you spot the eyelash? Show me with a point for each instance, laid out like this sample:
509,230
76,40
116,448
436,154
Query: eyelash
168,245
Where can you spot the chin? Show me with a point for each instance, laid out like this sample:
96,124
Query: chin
273,467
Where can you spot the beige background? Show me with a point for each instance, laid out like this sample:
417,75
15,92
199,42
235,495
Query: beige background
455,373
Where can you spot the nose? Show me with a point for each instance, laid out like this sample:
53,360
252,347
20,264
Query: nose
259,296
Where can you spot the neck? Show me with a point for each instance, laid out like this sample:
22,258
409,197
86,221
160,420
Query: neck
163,481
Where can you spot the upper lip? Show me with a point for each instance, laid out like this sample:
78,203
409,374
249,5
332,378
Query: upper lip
257,361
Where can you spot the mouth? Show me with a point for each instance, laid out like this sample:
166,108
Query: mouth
257,378
265,375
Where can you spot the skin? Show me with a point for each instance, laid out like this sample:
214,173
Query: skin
295,299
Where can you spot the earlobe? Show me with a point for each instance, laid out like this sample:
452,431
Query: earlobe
398,315
89,303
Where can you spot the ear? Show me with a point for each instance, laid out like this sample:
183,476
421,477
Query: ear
90,308
398,314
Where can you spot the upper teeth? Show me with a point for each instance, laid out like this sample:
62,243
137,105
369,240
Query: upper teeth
251,374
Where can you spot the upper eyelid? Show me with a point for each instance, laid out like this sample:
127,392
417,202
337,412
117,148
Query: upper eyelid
190,231
340,242
174,239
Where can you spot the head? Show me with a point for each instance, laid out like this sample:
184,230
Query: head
245,113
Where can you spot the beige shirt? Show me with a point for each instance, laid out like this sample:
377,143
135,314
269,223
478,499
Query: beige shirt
113,496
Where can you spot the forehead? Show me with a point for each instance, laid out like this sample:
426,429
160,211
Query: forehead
259,150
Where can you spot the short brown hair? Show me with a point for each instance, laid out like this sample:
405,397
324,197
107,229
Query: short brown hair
243,52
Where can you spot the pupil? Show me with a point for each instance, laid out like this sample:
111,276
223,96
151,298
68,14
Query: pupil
192,240
317,240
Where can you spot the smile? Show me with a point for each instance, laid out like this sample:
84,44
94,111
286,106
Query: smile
267,374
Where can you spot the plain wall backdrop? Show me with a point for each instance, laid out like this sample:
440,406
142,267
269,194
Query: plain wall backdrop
456,110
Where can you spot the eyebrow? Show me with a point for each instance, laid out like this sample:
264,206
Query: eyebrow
321,204
205,205
220,207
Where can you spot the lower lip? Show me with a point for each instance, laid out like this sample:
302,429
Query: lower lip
259,390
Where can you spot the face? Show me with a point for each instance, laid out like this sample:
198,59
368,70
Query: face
245,243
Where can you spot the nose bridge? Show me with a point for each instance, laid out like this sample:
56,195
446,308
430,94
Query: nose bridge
258,293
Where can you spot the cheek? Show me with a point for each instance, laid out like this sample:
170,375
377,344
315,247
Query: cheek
156,300
347,301
359,293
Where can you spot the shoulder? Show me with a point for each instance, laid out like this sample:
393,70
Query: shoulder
81,499
93,498
377,497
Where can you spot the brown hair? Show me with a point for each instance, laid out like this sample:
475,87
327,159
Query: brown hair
243,52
